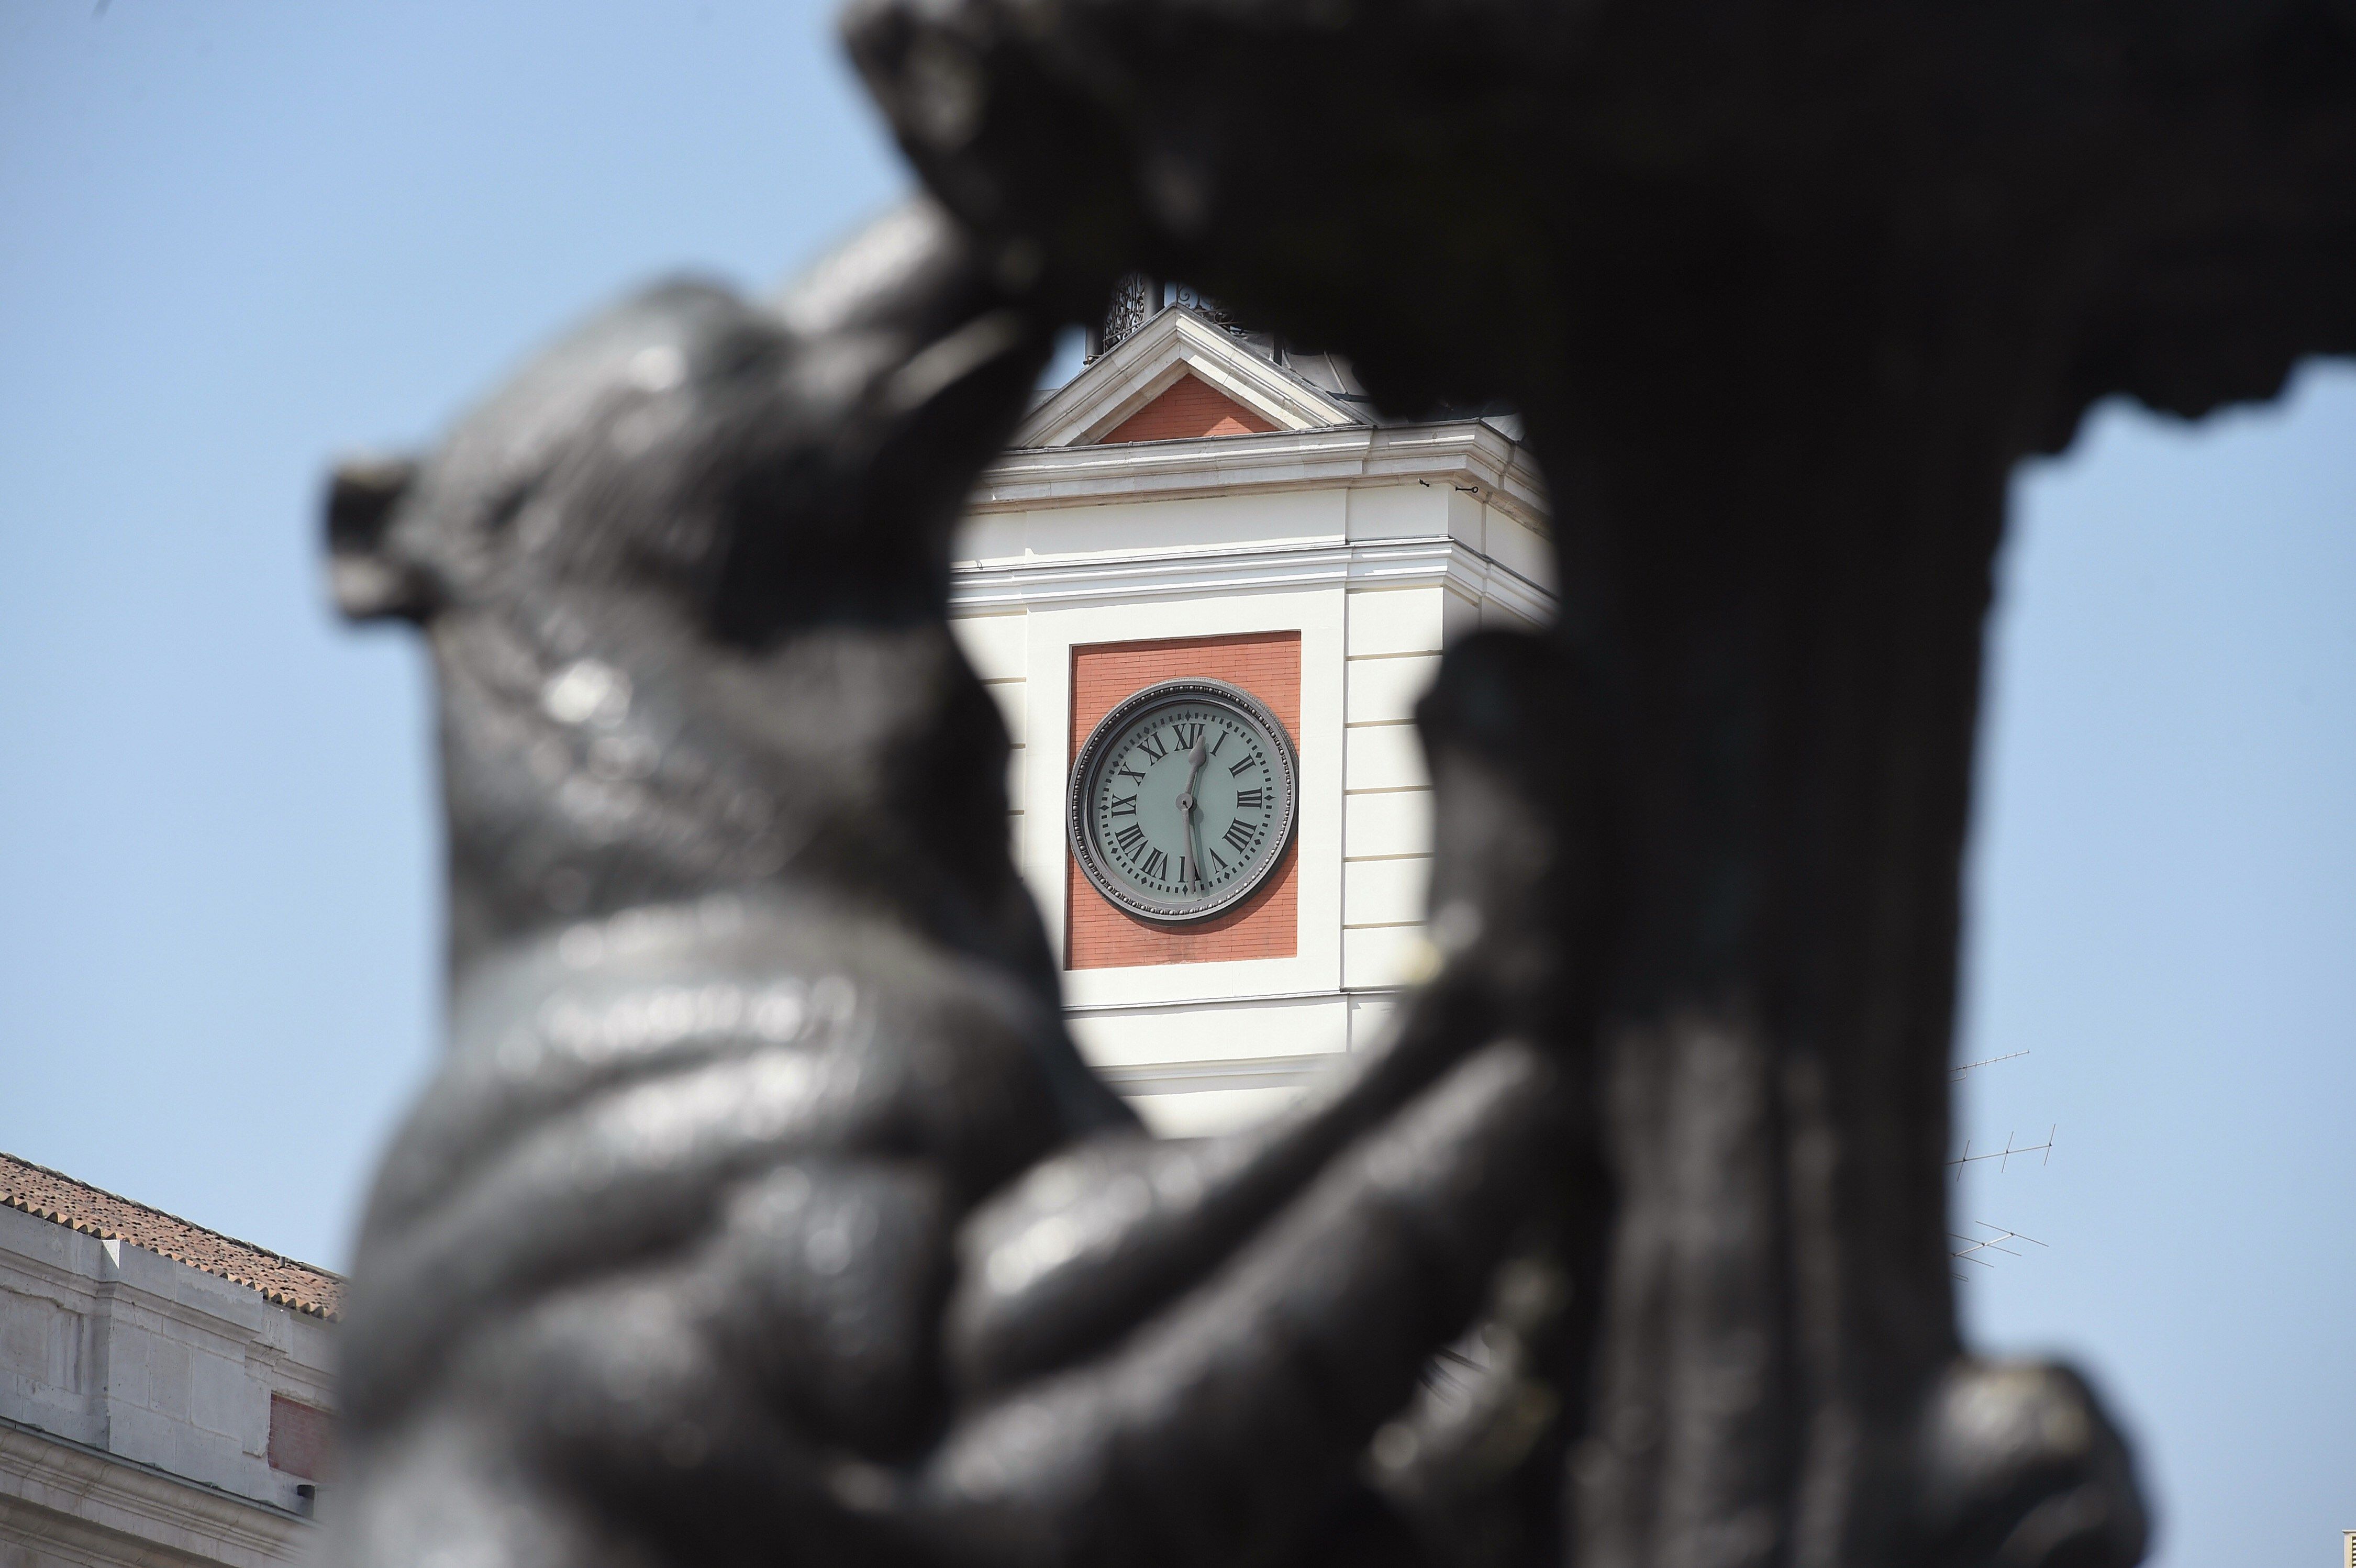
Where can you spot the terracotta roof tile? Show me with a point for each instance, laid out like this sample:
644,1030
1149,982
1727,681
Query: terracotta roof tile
60,1199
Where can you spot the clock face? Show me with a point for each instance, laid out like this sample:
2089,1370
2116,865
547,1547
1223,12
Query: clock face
1183,799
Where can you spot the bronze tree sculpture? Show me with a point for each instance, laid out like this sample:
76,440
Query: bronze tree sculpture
764,1210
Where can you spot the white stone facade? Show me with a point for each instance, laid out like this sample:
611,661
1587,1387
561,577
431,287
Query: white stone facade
1378,545
135,1408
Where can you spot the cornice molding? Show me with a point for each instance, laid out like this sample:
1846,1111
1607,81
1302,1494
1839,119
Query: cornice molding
1240,999
120,1510
1248,1072
1148,362
1469,454
1430,561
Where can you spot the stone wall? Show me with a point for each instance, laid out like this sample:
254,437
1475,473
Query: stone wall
137,1397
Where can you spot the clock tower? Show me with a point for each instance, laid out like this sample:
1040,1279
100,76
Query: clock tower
1206,586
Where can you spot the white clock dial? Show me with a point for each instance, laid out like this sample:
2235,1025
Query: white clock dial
1183,799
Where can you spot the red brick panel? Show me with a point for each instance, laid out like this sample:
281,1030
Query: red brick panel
300,1437
1192,407
1101,935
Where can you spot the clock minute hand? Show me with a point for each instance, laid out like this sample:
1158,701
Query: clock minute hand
1196,758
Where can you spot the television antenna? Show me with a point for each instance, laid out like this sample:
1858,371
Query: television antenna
1997,1238
1974,1248
2004,1156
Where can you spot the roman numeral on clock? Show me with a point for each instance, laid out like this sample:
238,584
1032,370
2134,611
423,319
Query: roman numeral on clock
1155,865
1238,836
1237,770
1250,797
1123,806
1151,744
1128,773
1214,857
1128,838
1187,735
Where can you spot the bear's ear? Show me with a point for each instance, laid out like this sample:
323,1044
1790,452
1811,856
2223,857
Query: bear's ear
368,584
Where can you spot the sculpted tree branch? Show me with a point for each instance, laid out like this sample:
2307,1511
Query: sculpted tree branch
1781,291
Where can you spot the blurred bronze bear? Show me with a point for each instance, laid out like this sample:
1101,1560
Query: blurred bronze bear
762,1210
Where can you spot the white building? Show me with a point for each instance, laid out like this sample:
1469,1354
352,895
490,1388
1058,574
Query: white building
1200,504
164,1392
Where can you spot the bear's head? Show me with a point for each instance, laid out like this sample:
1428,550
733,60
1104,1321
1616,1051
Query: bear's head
685,579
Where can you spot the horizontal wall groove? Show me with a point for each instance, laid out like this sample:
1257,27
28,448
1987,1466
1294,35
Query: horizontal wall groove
1231,998
1251,1072
1348,457
993,587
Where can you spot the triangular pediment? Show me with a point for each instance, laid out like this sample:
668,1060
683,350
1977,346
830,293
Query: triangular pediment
1190,408
1149,367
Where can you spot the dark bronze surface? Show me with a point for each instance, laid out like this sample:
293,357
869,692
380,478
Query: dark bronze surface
764,1210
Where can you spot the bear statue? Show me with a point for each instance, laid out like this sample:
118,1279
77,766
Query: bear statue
762,1208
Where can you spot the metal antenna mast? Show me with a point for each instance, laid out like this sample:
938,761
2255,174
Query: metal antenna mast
1974,1249
2004,1156
1973,1246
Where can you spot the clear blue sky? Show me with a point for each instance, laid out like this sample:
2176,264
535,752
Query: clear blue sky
236,238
